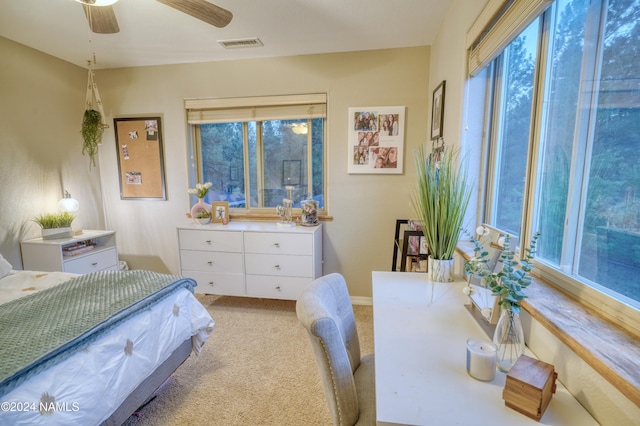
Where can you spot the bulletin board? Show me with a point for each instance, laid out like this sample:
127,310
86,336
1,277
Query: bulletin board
140,158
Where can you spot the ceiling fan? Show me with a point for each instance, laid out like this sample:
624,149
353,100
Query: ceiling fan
102,19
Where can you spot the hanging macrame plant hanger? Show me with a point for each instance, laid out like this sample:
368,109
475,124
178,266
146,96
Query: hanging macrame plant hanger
94,121
92,100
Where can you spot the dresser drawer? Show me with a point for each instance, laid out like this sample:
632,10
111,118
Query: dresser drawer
217,283
278,243
280,265
230,263
98,261
227,241
276,287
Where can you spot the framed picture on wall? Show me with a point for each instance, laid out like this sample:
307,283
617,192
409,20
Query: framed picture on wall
140,158
376,140
437,111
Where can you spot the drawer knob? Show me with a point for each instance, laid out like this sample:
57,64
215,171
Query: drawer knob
210,263
94,263
278,288
276,267
276,245
208,241
211,283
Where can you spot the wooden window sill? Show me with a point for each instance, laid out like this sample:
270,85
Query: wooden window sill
608,348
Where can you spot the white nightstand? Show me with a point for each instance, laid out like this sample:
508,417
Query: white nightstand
87,252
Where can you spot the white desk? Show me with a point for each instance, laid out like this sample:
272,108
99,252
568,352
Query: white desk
420,349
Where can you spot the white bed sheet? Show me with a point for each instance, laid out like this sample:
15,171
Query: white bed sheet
88,386
22,283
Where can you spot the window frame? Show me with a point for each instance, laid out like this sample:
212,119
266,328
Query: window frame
200,110
613,306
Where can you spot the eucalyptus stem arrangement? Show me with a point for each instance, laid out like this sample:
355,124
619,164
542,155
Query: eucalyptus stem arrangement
510,282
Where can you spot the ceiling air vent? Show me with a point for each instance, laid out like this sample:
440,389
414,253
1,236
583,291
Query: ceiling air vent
238,43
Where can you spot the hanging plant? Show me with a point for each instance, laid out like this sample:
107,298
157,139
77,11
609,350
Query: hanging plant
92,130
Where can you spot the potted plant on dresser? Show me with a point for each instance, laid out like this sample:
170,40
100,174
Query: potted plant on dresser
55,225
440,200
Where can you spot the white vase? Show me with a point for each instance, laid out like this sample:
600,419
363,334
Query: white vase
440,270
199,206
509,338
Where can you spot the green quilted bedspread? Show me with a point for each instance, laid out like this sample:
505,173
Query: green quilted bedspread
45,327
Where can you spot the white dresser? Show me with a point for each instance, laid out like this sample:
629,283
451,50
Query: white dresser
255,259
89,251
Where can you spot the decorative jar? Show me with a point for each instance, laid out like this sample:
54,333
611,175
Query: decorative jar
200,206
309,212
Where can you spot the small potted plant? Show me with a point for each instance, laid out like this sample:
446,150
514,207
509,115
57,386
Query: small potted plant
508,282
202,217
55,225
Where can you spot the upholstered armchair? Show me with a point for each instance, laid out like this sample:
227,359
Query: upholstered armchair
325,310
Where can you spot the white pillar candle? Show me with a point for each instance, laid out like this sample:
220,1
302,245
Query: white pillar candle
481,359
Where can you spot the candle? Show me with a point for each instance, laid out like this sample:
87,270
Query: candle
481,359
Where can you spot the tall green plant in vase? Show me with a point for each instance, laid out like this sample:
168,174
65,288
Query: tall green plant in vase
440,200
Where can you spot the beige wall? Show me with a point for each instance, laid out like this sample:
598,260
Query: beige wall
365,207
41,107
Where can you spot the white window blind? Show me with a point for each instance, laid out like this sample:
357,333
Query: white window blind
259,108
499,23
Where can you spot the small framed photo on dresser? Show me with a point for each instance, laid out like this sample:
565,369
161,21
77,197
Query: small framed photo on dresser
220,212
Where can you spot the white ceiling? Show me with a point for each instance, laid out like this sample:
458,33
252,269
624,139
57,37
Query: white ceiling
154,34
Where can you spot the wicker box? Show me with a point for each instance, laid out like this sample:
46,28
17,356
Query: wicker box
529,386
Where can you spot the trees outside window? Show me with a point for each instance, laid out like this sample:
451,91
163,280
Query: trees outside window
251,162
566,130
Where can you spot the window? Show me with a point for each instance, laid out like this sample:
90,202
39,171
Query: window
252,149
563,147
514,97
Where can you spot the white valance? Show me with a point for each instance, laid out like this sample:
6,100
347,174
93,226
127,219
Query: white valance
257,108
499,23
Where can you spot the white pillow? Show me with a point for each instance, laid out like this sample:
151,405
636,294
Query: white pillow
5,267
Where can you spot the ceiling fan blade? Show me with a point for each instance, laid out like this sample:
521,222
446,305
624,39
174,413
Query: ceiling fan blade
102,19
203,10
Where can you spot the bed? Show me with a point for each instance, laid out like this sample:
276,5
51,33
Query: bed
91,349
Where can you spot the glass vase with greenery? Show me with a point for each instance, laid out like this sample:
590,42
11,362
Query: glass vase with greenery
508,282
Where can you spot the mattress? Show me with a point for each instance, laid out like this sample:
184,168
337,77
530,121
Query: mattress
85,385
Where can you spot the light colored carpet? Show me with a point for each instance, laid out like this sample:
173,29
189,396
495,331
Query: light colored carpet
257,368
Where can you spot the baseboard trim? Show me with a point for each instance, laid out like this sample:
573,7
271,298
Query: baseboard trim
361,300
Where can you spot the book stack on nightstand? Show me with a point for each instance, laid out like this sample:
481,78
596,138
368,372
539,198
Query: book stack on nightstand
88,251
